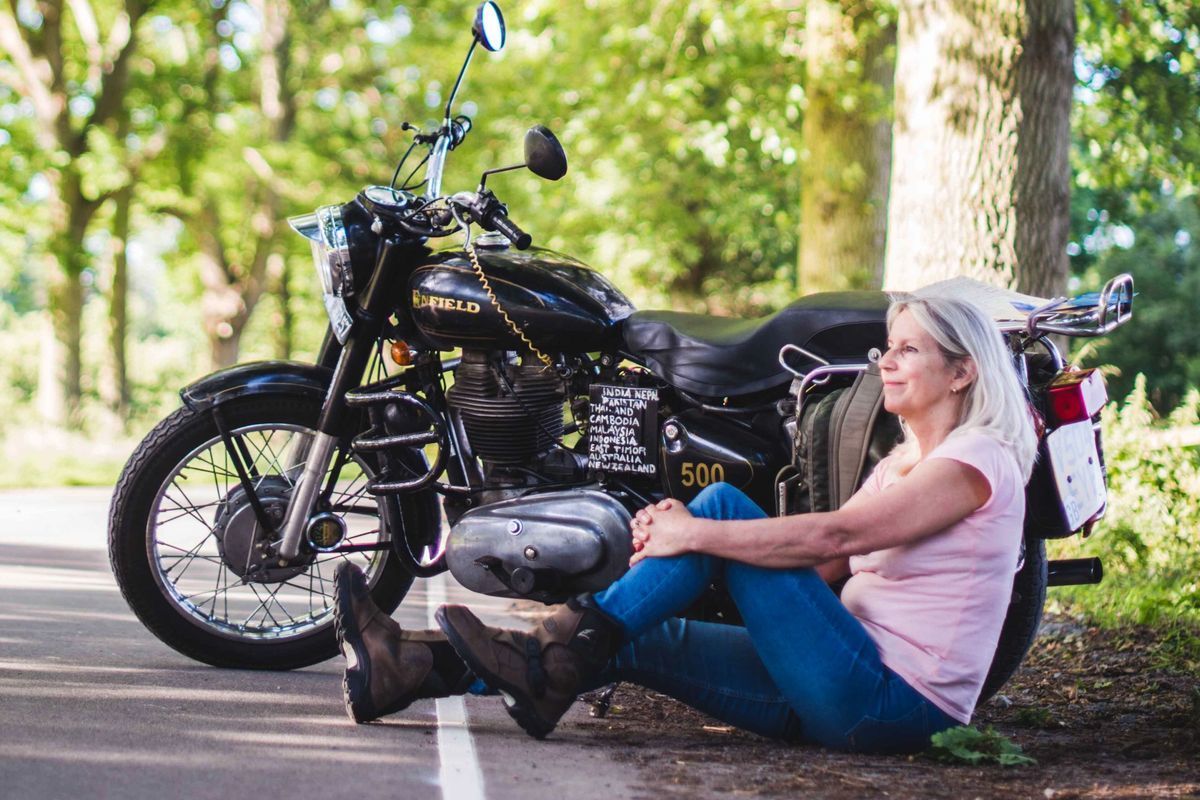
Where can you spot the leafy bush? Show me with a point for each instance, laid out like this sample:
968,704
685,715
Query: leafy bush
966,744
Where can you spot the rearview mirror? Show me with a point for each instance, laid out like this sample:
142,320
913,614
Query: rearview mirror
489,26
544,154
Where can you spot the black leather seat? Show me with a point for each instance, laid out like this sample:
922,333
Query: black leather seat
724,357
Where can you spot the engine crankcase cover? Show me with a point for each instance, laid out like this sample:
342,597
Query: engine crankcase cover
581,536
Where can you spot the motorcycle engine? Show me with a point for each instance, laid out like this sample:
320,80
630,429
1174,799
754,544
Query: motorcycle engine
513,416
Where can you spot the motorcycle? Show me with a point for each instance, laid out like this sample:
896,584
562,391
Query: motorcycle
516,464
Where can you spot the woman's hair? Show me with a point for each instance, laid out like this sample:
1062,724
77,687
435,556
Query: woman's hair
995,403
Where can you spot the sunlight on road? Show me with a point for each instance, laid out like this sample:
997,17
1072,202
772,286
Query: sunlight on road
15,576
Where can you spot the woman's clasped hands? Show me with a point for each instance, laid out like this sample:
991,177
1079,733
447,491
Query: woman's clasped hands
661,529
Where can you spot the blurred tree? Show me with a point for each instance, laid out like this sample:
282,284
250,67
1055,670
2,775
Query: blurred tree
1135,206
849,63
76,78
682,123
980,177
1138,67
118,306
227,192
1161,249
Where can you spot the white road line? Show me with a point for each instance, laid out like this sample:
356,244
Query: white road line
459,775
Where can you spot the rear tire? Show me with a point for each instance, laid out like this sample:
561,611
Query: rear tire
178,486
1021,624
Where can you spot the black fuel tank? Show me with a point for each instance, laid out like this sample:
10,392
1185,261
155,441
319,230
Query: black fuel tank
558,302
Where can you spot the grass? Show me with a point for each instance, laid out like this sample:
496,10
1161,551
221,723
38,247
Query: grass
44,457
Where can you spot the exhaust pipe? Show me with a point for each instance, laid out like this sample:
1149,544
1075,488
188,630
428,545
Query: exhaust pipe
1074,571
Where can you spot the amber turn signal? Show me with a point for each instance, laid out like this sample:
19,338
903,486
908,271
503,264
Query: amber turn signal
401,354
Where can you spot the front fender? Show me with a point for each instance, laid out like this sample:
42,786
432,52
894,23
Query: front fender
258,377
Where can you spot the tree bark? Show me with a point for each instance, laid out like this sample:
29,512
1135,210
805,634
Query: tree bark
223,350
71,213
847,138
284,326
980,179
118,307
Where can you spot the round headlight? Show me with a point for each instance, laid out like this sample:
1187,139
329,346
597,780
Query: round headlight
331,254
336,252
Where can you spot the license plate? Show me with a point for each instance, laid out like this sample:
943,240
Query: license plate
1077,472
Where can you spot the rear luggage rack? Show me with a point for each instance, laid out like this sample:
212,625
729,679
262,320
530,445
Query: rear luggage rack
1087,315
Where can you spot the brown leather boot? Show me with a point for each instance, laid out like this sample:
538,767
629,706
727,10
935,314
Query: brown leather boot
387,667
539,673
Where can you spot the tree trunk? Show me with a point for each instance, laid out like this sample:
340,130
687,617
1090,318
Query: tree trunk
224,306
847,136
66,312
1045,82
980,182
71,213
277,268
223,350
118,307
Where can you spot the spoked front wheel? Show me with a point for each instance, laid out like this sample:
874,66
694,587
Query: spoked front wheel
196,566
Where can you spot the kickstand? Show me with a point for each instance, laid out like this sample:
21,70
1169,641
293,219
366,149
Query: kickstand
602,703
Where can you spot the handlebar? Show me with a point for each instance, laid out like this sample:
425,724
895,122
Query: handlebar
500,222
437,163
492,215
480,207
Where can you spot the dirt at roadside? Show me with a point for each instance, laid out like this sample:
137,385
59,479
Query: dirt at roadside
1103,717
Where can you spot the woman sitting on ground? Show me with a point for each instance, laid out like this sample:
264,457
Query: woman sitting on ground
930,542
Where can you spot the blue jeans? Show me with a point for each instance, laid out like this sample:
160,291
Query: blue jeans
803,668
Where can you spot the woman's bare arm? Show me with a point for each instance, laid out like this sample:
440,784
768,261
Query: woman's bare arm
935,495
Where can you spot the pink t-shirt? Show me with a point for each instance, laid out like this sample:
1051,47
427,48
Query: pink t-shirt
935,608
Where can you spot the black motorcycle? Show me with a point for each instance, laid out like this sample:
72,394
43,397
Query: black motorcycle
516,464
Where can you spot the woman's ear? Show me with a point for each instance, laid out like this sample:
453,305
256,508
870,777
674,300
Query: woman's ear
965,372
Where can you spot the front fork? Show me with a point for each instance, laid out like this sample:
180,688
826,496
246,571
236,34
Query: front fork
351,364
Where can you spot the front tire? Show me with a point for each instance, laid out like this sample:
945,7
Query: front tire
183,542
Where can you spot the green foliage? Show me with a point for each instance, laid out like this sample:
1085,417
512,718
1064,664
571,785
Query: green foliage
966,744
1134,201
63,458
1148,538
20,336
1161,249
682,128
1138,99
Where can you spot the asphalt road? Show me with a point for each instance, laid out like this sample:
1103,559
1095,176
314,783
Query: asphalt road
93,706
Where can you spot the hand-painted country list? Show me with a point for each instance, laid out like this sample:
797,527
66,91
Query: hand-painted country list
622,435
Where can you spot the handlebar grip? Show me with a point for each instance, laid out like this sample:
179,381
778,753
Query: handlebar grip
506,226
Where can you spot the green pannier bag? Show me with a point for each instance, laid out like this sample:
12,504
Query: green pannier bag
839,439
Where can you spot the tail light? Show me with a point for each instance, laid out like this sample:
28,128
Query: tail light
1077,396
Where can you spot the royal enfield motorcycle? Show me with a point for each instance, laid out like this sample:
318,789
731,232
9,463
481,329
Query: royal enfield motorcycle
498,410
